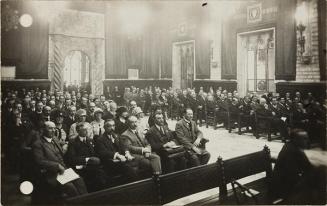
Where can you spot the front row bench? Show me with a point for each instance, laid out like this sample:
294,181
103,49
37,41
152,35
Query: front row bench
166,188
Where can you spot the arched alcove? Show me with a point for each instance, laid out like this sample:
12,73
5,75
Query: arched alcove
77,31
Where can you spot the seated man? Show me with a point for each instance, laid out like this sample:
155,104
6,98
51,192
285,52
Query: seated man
295,179
263,110
49,156
192,139
161,139
81,156
109,150
135,144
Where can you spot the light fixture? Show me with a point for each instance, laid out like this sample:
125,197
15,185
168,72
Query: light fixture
26,20
301,17
26,187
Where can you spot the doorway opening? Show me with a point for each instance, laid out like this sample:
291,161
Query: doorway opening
77,71
183,64
256,61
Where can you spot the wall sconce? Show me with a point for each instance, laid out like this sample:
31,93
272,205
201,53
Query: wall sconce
301,17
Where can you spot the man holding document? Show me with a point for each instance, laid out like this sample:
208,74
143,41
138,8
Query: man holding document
163,143
189,135
49,157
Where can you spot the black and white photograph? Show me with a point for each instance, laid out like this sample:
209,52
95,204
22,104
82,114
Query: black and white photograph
163,102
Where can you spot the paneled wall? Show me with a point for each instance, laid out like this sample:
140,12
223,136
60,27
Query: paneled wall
19,84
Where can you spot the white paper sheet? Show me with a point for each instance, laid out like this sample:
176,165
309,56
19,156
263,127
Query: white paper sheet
68,176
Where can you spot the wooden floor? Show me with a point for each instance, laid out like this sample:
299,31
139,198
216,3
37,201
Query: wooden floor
221,143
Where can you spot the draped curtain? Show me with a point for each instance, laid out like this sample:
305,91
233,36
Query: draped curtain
286,41
27,48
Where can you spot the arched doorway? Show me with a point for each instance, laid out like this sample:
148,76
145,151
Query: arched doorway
76,73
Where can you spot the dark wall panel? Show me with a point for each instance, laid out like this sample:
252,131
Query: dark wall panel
317,89
27,84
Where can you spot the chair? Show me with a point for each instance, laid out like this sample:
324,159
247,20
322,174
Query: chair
210,117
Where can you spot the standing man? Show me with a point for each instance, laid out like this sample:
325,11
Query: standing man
50,157
135,144
192,139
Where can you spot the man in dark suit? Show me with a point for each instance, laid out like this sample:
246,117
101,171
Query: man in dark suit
37,116
49,156
192,139
161,139
294,178
109,150
81,156
135,144
263,110
70,118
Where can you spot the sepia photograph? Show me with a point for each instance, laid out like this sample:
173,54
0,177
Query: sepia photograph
163,102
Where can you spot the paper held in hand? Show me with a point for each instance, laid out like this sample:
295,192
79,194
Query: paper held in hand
68,176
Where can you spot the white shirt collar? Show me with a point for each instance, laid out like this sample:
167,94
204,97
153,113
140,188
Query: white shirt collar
187,121
48,139
82,138
159,127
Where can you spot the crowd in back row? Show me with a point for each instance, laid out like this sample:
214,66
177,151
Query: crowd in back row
101,140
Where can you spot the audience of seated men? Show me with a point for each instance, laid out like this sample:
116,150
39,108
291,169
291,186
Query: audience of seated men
189,135
162,141
82,157
135,143
115,160
49,156
23,120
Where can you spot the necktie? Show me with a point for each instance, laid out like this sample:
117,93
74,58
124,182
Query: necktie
190,126
59,135
99,129
162,131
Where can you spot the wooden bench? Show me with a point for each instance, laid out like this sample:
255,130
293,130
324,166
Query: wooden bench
166,188
157,190
241,167
187,182
139,193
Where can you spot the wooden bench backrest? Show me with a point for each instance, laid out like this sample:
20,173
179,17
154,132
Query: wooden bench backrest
183,183
247,165
141,192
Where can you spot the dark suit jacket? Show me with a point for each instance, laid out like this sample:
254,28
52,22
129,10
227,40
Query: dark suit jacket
132,143
120,127
185,136
106,149
68,123
48,158
78,151
291,166
157,139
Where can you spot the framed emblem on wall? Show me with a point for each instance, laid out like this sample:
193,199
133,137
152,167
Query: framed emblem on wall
254,13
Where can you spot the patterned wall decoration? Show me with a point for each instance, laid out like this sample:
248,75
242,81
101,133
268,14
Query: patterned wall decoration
9,18
254,13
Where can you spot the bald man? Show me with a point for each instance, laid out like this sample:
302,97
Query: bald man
49,156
